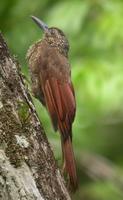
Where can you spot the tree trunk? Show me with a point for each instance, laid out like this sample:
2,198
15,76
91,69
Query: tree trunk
28,170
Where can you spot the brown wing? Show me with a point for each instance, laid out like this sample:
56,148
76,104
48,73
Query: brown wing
57,89
60,102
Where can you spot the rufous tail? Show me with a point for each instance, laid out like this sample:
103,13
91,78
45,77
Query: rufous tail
70,166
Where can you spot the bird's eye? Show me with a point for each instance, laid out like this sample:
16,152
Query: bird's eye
51,31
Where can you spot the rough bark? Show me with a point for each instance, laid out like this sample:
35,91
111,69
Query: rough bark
28,169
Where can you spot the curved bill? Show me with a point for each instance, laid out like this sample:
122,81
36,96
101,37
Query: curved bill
41,24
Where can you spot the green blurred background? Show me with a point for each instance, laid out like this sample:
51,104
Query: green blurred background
95,32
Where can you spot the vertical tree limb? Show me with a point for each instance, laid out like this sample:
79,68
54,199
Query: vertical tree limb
27,166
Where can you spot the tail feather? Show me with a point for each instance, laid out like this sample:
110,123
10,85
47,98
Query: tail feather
70,162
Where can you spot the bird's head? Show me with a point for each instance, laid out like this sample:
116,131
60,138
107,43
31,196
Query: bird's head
54,36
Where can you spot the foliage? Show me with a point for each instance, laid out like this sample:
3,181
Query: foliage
95,33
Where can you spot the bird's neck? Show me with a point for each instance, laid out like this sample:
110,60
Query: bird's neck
56,46
48,45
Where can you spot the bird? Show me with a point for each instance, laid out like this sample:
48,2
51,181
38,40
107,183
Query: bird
51,84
